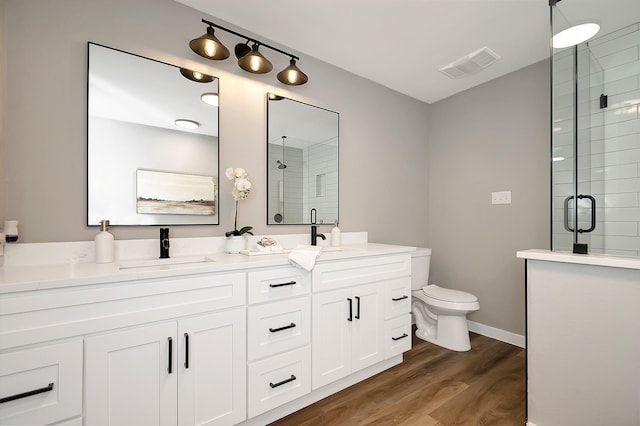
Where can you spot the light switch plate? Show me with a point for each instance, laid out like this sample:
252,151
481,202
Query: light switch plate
502,197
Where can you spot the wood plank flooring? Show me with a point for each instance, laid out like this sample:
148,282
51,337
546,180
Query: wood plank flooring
432,387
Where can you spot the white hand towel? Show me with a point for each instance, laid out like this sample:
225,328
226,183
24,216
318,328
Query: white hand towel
305,257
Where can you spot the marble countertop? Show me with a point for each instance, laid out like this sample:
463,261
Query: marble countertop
51,276
581,259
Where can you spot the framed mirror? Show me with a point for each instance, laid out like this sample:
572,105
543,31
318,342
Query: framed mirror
142,168
302,163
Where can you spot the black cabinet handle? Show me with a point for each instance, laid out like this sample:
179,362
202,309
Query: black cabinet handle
170,355
358,307
186,350
350,309
400,337
285,381
26,394
282,284
395,299
274,330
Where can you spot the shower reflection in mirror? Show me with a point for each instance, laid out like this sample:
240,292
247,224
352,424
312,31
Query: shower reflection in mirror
302,162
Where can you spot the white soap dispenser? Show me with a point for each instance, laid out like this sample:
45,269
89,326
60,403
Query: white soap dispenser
336,236
104,244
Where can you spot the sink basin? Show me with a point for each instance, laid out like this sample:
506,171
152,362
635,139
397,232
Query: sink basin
143,263
329,249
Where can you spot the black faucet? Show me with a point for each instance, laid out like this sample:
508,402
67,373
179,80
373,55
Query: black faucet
164,243
315,235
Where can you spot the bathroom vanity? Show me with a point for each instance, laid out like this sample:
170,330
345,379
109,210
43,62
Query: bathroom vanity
583,334
231,339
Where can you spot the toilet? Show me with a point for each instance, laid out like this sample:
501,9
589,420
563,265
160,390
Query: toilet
440,313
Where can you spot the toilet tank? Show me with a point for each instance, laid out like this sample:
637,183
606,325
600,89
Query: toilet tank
420,261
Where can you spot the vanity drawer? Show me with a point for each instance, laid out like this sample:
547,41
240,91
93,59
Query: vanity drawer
397,297
46,383
346,273
278,326
397,336
277,283
278,380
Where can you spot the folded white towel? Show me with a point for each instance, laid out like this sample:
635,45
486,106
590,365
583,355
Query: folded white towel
305,257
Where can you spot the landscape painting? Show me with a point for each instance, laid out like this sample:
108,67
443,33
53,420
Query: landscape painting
175,193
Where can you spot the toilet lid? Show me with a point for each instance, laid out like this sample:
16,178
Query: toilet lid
448,295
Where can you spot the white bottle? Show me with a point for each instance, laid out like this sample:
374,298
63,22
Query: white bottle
104,245
336,236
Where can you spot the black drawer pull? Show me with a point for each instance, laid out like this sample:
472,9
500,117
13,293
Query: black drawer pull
282,284
400,337
274,330
350,309
26,394
358,307
395,299
285,381
186,350
170,340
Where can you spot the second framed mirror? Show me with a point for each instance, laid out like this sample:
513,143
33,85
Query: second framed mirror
302,163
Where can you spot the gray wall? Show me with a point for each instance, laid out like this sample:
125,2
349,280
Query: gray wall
381,131
410,173
494,137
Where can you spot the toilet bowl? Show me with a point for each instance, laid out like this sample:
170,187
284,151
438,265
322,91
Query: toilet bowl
440,313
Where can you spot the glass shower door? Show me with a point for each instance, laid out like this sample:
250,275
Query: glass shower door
596,143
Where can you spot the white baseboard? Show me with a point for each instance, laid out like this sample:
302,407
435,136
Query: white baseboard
498,334
531,424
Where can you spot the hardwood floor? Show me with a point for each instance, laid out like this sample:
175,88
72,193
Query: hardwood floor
432,387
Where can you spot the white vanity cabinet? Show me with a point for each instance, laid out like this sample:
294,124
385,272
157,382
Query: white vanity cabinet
168,350
278,337
185,372
351,318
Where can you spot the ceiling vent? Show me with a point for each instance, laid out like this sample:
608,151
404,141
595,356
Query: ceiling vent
471,63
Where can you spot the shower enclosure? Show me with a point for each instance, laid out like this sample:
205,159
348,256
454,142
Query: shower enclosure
595,136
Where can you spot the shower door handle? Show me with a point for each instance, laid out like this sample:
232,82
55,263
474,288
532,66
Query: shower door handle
593,213
566,214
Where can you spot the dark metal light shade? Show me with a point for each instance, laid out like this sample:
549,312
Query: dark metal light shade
242,49
208,46
196,76
292,75
254,62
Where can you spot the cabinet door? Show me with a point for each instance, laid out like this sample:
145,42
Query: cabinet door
331,337
212,366
367,334
131,377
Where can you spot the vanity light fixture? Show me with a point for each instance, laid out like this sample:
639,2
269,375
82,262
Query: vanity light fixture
210,99
249,59
208,46
575,35
196,76
292,75
187,124
254,62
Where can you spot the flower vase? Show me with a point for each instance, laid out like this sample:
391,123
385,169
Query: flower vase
235,243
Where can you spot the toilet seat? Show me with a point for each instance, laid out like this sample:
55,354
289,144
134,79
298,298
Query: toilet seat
447,299
448,295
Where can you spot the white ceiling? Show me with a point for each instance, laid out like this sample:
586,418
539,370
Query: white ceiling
401,44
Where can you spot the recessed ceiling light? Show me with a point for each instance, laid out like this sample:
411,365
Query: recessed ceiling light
575,35
187,124
210,99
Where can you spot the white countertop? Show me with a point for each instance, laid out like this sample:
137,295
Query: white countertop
581,259
40,277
